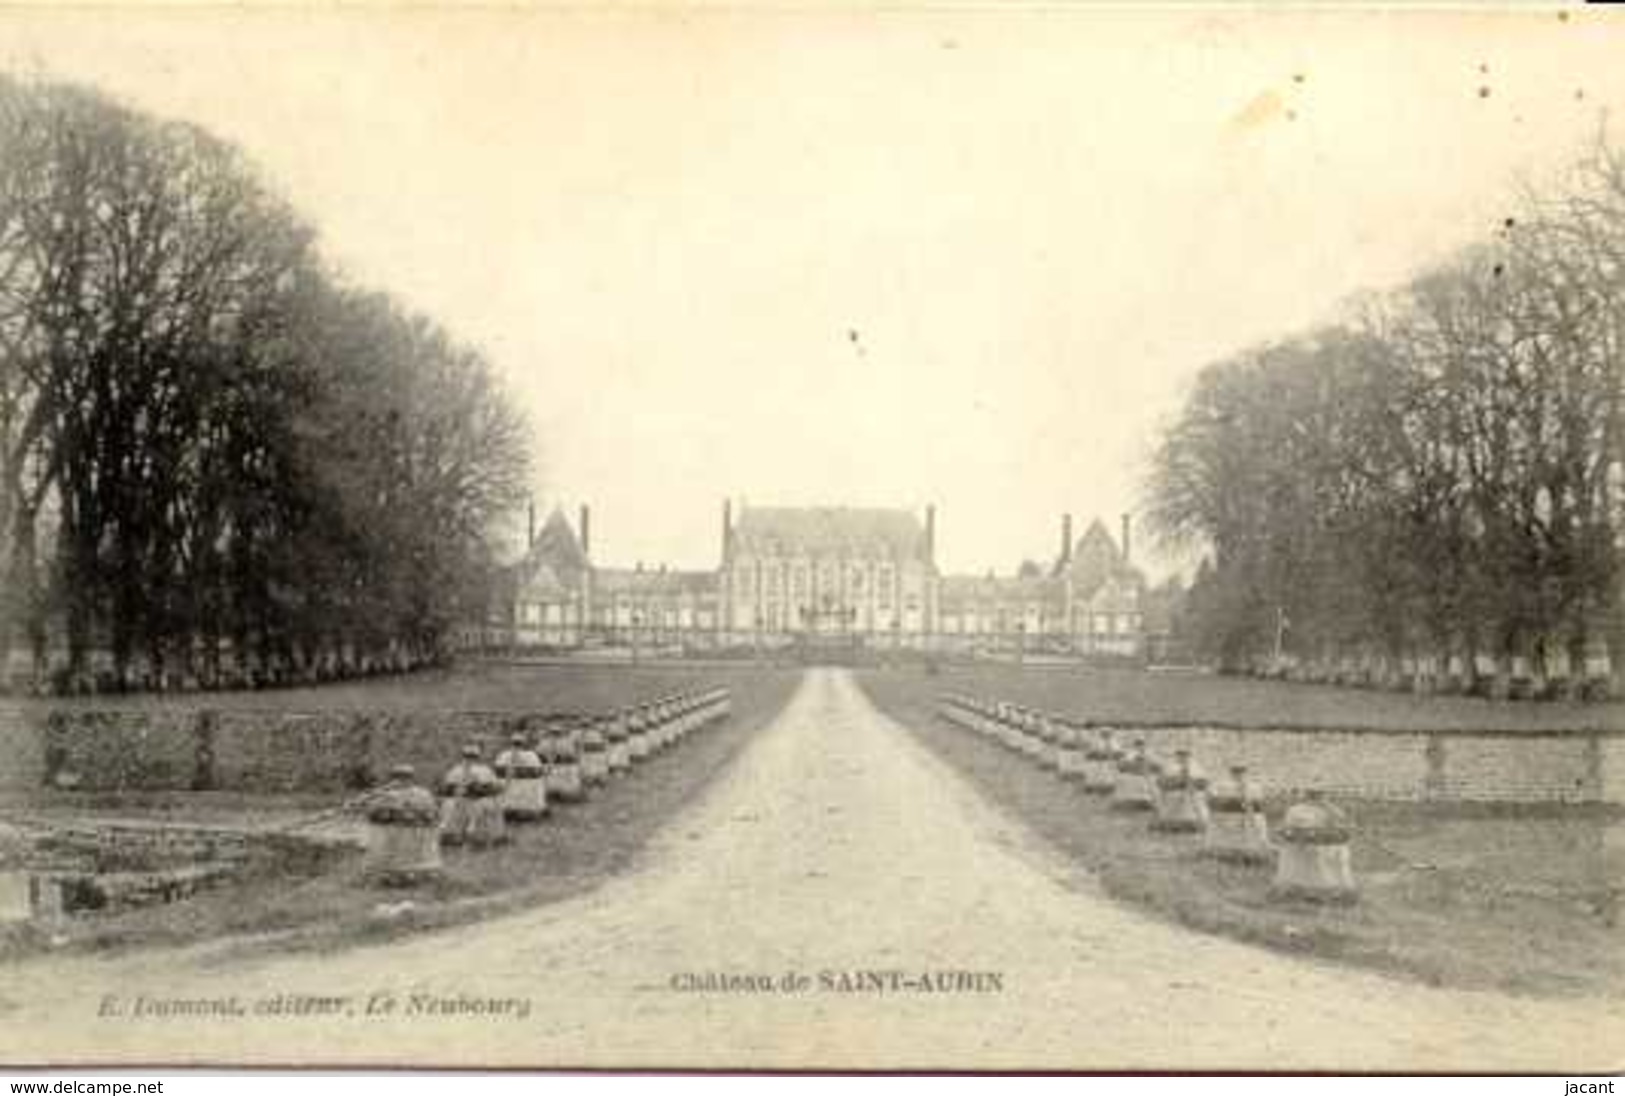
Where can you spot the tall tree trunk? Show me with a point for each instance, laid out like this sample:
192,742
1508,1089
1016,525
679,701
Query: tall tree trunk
24,607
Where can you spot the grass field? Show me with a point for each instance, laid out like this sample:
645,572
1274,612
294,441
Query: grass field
575,849
469,686
1512,899
1181,698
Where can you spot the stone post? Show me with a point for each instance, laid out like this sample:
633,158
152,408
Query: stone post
1238,831
403,838
1314,862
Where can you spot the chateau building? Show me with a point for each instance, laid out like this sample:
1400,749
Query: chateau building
829,571
831,576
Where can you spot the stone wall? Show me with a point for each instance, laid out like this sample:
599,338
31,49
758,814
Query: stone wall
22,757
1570,767
108,749
243,750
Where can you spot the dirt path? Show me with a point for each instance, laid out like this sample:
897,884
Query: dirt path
835,844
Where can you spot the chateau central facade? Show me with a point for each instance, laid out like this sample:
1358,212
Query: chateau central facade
829,571
823,575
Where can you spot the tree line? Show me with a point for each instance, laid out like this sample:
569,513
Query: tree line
219,463
1430,492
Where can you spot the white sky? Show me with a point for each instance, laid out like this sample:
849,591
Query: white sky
665,227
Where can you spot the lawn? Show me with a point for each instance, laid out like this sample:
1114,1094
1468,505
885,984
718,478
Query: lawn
471,685
323,902
1517,899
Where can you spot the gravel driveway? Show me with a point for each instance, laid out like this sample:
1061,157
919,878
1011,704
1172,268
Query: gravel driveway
839,899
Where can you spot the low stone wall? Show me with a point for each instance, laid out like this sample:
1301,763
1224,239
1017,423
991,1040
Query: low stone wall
250,751
83,866
1613,772
22,749
1568,767
285,752
430,740
104,749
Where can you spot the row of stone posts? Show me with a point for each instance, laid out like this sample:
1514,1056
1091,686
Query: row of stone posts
554,759
1309,849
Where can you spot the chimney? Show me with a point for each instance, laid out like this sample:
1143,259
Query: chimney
530,541
586,530
930,533
1066,539
727,525
1125,539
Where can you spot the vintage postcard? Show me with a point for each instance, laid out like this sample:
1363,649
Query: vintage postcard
952,537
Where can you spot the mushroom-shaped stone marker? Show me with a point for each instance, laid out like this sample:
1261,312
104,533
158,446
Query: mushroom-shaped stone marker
1182,797
1314,861
1238,832
1101,753
1136,785
471,807
524,787
403,832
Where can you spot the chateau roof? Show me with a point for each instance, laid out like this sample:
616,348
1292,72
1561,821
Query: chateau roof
621,580
1097,559
552,565
557,545
830,530
959,589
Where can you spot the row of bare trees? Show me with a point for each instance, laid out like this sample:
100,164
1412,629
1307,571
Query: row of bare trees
218,464
1434,488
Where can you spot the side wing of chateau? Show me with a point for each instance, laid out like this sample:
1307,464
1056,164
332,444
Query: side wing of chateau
836,577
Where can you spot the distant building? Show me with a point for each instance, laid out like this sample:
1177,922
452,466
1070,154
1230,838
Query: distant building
833,576
1088,603
547,597
829,571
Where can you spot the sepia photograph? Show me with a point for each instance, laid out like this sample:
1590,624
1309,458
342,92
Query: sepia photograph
985,538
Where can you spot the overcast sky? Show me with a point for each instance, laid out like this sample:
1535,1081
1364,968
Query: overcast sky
965,258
